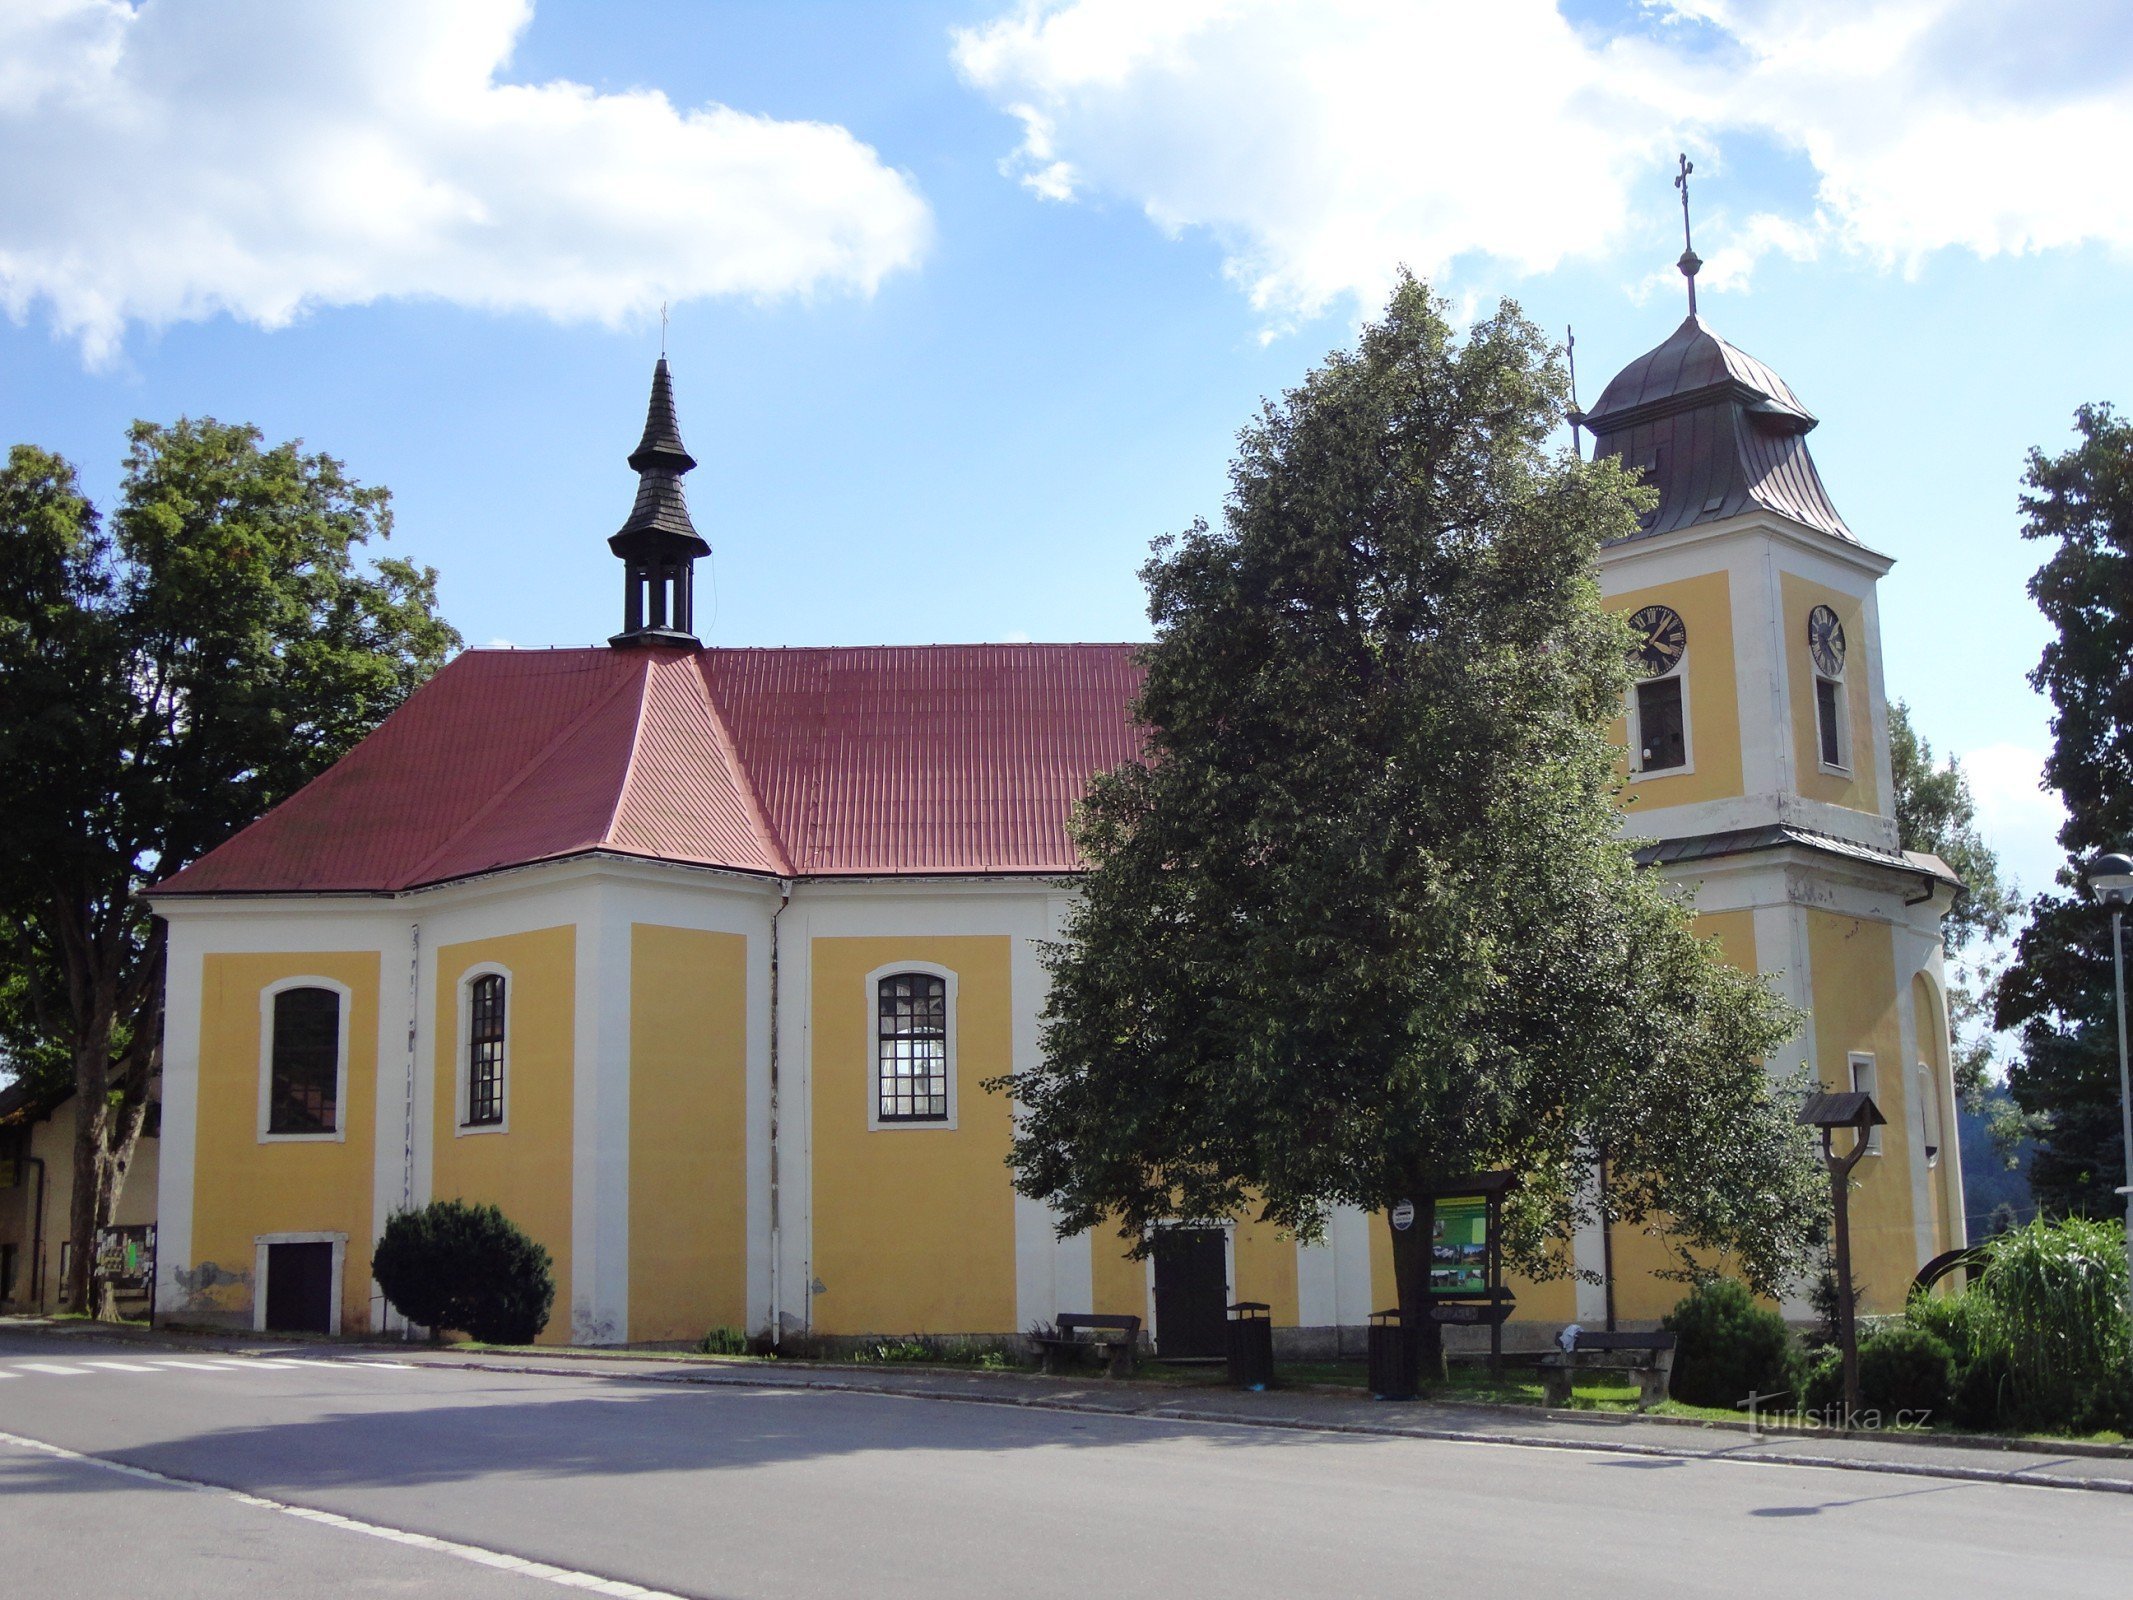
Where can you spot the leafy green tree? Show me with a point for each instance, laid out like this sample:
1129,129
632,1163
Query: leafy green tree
1360,921
1936,813
163,680
2058,990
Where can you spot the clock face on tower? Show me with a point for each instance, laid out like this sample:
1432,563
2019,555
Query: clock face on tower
1661,637
1825,641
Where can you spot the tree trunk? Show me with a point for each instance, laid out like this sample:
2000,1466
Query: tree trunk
1411,1263
92,1111
122,1137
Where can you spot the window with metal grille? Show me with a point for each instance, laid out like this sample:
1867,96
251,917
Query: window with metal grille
485,1051
303,1091
911,1048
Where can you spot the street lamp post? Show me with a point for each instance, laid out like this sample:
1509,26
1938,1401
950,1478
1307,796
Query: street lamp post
2111,877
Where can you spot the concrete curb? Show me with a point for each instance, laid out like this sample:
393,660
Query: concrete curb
1168,1412
842,1379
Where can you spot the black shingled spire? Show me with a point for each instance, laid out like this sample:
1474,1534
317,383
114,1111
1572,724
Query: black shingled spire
659,545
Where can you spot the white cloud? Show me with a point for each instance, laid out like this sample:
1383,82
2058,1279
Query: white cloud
1325,142
172,161
2018,817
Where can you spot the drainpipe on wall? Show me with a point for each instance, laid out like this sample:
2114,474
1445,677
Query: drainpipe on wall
407,1114
777,1251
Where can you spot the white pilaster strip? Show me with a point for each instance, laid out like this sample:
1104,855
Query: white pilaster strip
178,1143
1349,1235
1588,1252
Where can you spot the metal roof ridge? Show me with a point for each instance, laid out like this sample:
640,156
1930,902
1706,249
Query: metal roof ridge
744,781
518,780
629,770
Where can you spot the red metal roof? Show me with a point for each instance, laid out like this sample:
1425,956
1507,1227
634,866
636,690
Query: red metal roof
927,759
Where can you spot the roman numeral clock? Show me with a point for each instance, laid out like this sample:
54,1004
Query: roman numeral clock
1661,638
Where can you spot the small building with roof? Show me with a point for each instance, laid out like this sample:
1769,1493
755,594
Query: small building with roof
696,960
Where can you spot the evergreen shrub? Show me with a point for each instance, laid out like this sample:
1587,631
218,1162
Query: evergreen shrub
1729,1347
1905,1368
454,1265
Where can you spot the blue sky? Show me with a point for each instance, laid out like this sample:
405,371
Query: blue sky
970,299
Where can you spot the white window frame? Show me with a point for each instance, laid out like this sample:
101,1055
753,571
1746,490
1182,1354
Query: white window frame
339,1135
871,988
1637,773
1843,766
1866,1080
462,1079
1229,1269
339,1241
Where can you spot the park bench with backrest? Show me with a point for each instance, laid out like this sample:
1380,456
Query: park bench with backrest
1650,1356
1117,1336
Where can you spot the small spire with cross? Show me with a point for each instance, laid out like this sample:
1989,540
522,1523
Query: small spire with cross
1690,261
662,330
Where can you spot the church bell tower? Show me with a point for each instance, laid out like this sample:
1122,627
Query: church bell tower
659,545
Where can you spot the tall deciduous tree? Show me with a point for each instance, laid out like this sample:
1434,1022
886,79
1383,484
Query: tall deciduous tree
1360,921
2058,991
163,680
1936,813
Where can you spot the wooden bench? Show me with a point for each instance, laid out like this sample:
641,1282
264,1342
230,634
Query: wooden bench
1649,1355
1118,1337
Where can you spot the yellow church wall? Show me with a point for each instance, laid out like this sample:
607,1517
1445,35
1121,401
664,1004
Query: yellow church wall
1858,789
914,1226
246,1186
1855,998
525,1168
1705,605
1931,1033
1117,1283
688,1105
1265,1260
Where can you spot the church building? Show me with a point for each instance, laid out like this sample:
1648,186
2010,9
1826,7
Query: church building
695,960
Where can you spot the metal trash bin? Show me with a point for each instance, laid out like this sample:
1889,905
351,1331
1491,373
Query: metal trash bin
1251,1344
1394,1357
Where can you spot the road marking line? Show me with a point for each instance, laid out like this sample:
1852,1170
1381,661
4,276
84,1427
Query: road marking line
276,1361
53,1367
197,1366
122,1366
568,1577
241,1366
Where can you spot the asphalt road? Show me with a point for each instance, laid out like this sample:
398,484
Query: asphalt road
727,1492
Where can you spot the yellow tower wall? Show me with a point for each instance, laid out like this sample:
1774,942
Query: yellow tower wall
1860,788
1712,693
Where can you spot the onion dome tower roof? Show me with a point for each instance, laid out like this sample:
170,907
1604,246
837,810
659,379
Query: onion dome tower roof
1716,431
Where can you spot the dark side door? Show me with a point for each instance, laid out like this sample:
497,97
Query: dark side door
1191,1292
299,1288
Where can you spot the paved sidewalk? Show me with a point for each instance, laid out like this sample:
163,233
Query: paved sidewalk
2073,1466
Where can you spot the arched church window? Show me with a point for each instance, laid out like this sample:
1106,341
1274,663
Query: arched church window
911,1048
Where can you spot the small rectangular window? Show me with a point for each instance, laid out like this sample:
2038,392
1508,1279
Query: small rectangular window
911,1048
1660,733
304,1093
1829,720
485,1051
1863,1083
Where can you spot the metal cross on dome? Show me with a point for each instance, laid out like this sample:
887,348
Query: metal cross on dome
1689,261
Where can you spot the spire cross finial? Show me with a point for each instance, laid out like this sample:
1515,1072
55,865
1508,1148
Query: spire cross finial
1689,261
662,330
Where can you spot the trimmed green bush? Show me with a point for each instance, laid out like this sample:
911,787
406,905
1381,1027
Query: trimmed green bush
724,1342
452,1265
1822,1381
1729,1347
1904,1368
